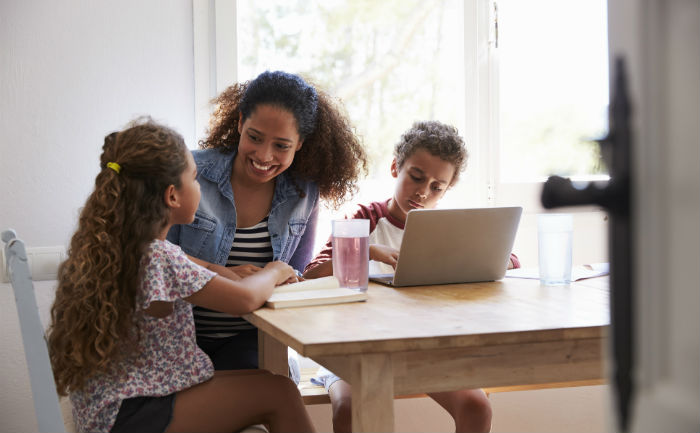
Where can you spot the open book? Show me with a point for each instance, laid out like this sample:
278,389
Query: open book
319,291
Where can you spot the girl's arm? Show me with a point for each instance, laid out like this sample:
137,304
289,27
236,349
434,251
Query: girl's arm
242,296
233,274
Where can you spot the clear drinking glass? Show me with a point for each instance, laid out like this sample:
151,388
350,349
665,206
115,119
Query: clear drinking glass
555,244
351,253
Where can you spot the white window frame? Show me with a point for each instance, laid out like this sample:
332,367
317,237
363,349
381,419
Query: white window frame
215,54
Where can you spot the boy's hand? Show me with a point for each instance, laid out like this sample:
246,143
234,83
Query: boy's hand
384,254
284,272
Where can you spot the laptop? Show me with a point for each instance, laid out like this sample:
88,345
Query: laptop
443,246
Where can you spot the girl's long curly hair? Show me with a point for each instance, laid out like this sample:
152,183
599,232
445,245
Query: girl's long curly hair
93,321
331,156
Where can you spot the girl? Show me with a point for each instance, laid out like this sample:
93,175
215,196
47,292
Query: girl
122,341
276,145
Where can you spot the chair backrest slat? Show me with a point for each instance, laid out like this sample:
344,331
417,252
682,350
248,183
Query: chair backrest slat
46,404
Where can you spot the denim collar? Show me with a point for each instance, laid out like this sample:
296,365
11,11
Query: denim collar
218,170
218,166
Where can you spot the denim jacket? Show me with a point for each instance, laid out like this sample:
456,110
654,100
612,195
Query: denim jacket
292,219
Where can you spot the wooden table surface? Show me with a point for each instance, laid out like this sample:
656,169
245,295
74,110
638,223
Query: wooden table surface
438,338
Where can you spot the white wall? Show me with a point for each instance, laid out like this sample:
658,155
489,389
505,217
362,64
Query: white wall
71,72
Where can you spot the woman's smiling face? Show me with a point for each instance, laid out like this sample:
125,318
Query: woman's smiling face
269,141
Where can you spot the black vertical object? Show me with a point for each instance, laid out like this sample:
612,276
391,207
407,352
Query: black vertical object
616,198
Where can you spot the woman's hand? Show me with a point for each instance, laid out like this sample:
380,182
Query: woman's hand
384,254
226,272
245,270
284,272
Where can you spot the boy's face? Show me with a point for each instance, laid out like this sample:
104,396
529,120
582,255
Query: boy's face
420,183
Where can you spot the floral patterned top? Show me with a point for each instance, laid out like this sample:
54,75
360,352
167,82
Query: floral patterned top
169,359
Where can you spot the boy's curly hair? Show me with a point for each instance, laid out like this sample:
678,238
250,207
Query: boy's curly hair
332,156
439,139
93,323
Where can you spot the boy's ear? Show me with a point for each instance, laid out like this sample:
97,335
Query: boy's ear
171,197
394,168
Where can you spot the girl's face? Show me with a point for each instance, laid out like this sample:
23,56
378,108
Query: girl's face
269,141
420,183
188,194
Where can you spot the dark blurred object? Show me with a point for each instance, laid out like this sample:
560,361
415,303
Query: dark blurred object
615,197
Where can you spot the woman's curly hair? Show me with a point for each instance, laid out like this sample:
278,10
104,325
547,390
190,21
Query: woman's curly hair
438,139
93,321
332,156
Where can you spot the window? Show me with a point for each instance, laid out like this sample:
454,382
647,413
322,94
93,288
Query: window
525,82
553,87
552,100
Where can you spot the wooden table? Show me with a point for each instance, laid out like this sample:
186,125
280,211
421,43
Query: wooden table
440,338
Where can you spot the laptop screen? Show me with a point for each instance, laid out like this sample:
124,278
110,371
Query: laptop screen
443,246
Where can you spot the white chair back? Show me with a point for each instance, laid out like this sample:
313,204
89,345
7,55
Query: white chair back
46,404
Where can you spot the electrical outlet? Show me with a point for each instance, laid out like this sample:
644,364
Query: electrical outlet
43,263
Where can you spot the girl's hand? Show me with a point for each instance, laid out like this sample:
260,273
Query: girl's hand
245,270
284,272
384,254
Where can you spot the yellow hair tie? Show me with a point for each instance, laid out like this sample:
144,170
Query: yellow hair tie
114,166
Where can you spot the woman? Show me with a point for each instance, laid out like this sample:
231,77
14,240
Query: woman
276,145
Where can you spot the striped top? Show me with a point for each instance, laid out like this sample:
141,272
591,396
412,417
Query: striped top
251,246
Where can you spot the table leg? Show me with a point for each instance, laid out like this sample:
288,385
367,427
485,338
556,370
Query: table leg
372,380
272,355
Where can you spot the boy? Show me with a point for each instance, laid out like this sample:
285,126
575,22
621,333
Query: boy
427,162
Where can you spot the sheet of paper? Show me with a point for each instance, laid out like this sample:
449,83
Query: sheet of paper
578,272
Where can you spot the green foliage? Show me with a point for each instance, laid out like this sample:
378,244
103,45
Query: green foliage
392,62
378,57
